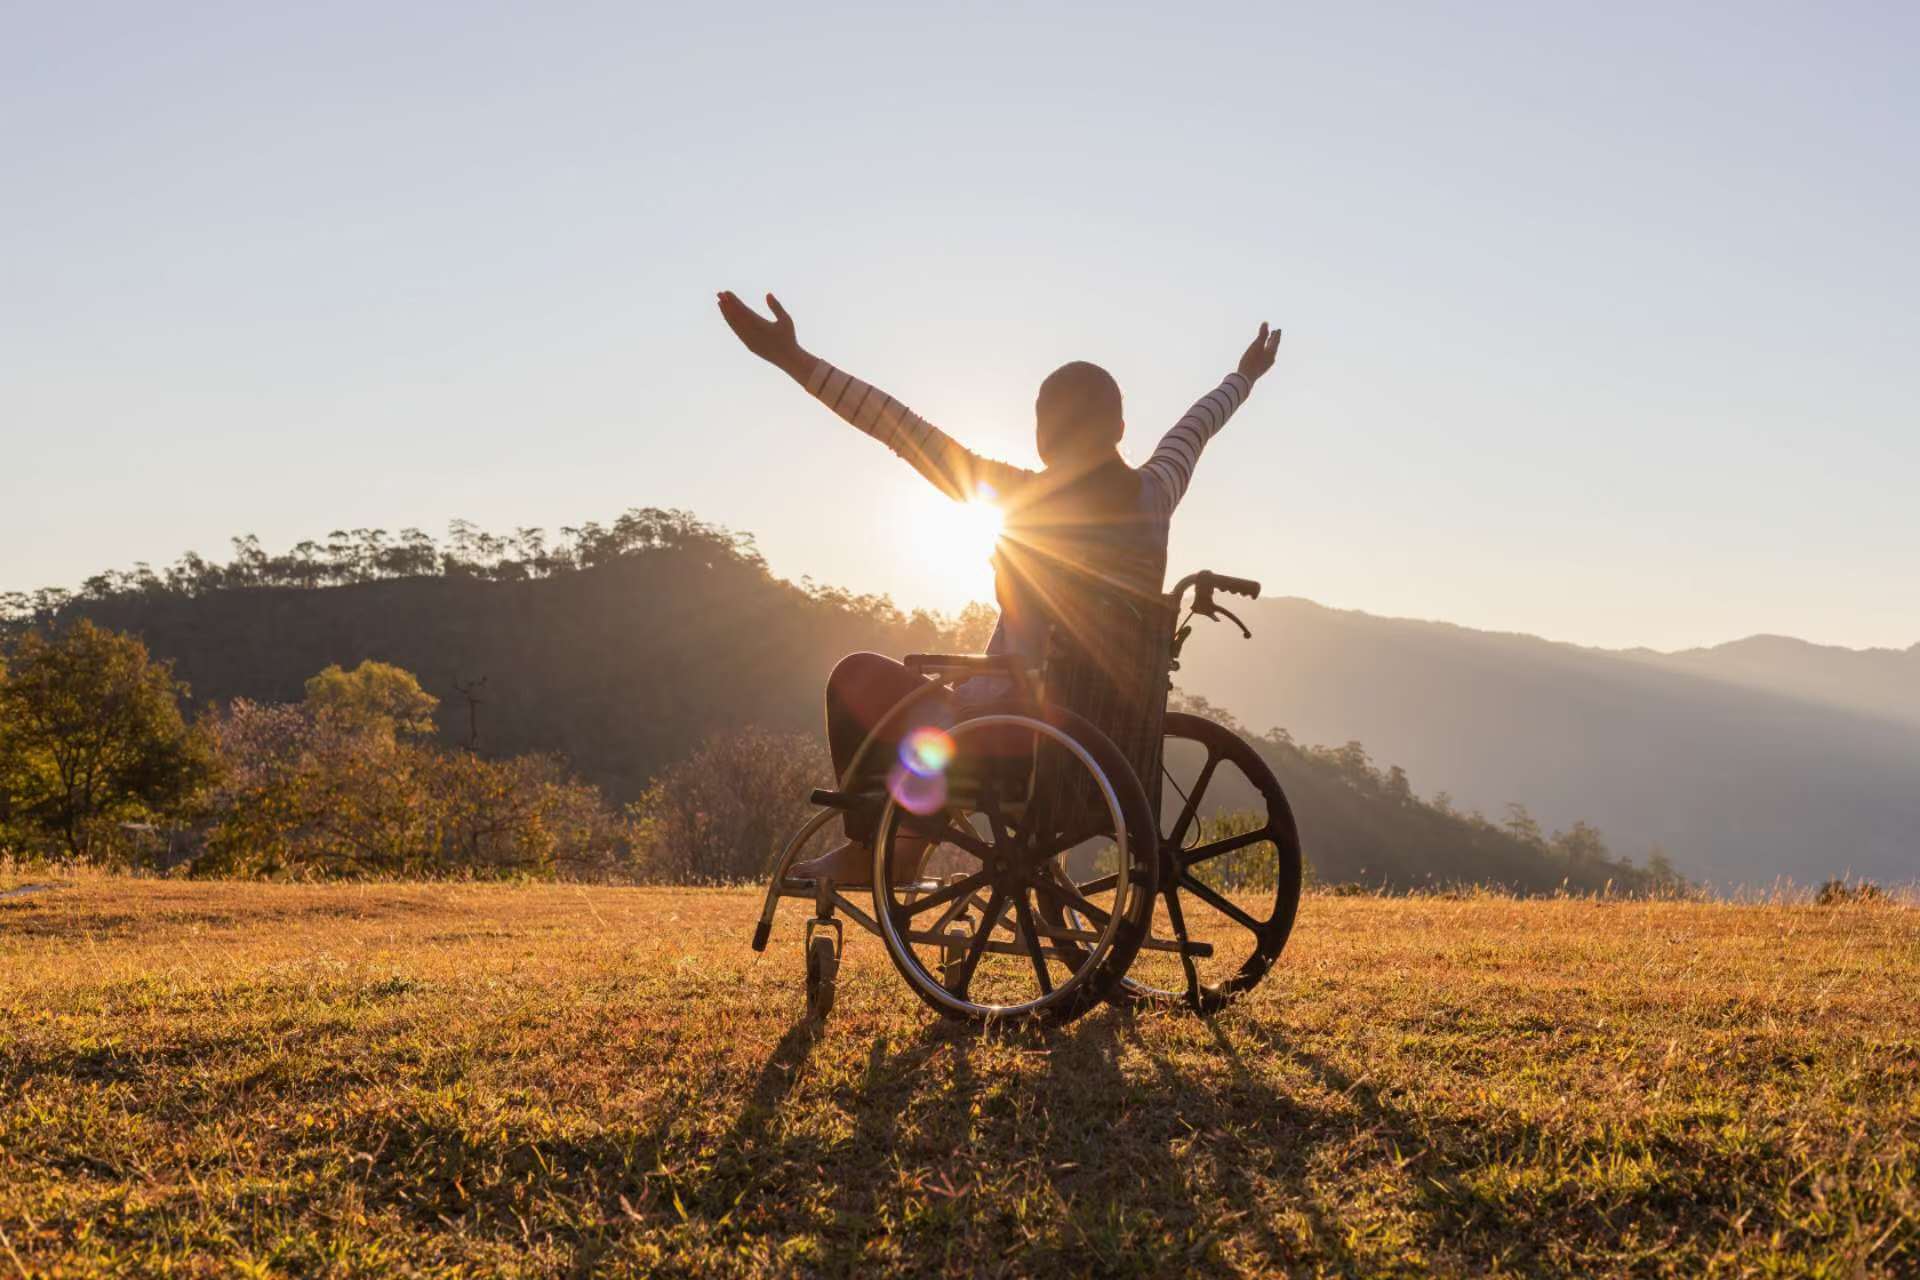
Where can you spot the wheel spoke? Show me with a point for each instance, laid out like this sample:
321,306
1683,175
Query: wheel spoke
1221,904
1066,895
961,838
940,897
959,981
1192,805
1031,936
1179,922
1100,884
955,910
1229,845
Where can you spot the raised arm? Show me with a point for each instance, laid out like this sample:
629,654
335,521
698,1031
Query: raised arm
1170,469
955,470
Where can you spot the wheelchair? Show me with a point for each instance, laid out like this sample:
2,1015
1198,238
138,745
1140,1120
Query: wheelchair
1048,849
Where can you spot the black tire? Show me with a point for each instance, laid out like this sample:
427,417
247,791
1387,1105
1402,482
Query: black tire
1245,949
823,972
1010,878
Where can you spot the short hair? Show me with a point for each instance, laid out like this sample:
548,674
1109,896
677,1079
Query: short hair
1078,411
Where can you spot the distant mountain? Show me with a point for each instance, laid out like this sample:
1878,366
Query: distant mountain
1741,783
1874,682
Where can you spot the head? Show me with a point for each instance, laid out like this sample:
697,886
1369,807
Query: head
1077,415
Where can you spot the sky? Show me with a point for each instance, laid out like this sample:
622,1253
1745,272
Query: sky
1600,320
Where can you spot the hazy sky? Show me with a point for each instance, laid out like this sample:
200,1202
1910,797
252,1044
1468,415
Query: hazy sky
1601,320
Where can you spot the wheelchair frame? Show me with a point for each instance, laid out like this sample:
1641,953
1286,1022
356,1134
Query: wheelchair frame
1067,929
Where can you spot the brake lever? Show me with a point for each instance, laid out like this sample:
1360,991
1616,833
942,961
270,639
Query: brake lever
1221,611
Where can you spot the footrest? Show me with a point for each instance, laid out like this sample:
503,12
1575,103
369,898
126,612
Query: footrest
847,799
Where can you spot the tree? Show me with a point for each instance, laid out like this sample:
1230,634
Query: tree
974,627
311,795
1523,826
720,814
1583,843
1665,880
374,697
91,733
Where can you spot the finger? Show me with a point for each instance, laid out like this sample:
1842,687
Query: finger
779,312
741,312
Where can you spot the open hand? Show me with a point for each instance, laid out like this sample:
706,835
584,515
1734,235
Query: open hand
772,340
1258,357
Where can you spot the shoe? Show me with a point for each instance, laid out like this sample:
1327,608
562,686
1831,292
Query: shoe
850,864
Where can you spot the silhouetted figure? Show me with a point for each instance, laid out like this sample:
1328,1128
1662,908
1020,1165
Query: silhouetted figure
1086,513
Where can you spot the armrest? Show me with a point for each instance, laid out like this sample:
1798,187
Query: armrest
1006,663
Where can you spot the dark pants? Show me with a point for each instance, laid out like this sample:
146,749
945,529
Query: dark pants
863,688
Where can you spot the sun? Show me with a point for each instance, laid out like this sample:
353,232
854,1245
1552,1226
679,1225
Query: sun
951,543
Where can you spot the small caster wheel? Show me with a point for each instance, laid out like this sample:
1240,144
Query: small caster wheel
823,970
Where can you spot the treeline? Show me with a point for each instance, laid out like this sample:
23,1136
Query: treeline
373,555
468,553
657,657
620,647
98,764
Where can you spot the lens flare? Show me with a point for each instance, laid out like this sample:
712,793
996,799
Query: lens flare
926,752
915,793
919,781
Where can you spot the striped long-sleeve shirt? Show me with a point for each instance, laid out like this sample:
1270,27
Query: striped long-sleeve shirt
959,472
1050,519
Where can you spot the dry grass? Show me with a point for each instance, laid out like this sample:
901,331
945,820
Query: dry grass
260,1079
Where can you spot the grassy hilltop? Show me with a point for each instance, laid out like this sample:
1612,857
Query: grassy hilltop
457,1079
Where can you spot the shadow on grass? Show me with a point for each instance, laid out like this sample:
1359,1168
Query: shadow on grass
1043,1150
1124,1144
1050,1152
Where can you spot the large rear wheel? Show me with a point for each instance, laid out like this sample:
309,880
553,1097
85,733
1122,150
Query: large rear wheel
971,889
1230,869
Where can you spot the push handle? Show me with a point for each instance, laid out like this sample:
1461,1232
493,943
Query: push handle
1203,585
1236,586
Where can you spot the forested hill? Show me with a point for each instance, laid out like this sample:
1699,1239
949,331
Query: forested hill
622,647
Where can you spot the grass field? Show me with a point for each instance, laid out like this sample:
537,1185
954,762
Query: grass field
258,1079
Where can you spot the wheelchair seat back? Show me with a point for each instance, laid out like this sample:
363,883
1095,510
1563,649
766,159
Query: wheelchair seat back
1107,661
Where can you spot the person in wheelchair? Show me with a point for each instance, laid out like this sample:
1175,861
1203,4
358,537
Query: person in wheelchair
1086,515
